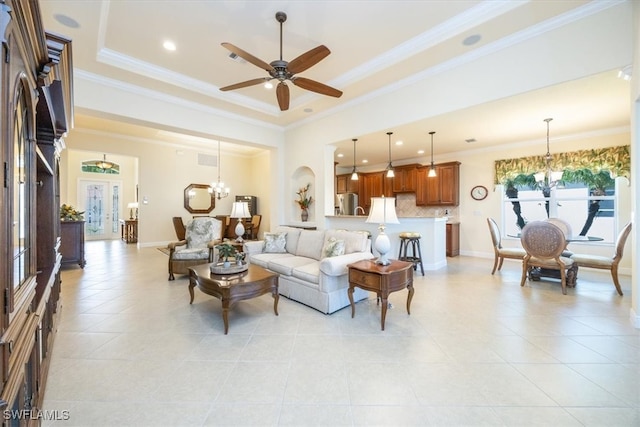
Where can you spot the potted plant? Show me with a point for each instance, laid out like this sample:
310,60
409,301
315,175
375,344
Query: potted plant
225,251
304,201
69,213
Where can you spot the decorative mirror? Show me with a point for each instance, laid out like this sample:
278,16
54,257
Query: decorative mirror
198,200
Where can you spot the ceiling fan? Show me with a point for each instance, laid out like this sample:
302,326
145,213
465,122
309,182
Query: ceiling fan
283,70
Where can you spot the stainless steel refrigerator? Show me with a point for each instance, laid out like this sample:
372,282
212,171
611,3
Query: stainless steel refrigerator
347,203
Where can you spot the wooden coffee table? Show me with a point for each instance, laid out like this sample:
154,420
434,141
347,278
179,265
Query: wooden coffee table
230,289
381,279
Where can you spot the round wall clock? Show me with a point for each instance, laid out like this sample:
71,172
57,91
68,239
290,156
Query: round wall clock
479,192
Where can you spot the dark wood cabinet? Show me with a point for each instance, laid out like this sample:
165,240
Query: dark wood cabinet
441,190
36,112
405,180
72,242
374,184
453,239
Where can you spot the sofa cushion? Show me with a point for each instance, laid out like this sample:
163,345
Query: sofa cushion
293,234
263,260
333,247
310,244
308,272
285,265
354,241
275,243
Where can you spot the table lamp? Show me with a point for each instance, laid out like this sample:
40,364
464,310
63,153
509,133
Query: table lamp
240,210
132,206
383,211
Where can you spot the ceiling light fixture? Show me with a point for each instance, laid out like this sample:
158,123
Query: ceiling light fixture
390,173
103,164
217,188
432,170
354,174
549,178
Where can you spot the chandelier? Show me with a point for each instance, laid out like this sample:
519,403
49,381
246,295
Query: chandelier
549,178
218,189
103,164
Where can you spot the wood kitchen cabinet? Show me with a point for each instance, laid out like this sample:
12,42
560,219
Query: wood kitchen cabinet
441,190
453,239
374,185
344,184
405,179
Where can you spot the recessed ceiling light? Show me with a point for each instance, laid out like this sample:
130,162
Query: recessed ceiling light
340,155
420,151
399,142
268,85
169,45
365,161
66,21
471,40
470,140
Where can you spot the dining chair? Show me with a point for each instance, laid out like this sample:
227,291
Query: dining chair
544,243
251,229
500,252
607,263
566,229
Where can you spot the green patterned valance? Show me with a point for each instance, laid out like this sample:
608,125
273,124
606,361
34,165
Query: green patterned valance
615,160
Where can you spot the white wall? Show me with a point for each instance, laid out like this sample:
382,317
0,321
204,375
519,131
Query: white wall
165,170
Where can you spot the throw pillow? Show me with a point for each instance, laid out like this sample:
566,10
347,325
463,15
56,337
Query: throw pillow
275,243
334,247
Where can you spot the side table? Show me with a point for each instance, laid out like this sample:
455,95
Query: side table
381,279
129,230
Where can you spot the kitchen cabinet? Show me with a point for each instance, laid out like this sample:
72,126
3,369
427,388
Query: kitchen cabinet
441,190
344,184
374,185
405,179
453,239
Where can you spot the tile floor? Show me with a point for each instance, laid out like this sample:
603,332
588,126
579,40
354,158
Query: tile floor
476,350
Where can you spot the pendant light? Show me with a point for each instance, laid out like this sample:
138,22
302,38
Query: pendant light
390,173
354,174
432,169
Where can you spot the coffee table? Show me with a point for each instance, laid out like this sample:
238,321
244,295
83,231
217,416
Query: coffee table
230,289
381,279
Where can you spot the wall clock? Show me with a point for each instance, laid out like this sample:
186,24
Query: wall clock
479,192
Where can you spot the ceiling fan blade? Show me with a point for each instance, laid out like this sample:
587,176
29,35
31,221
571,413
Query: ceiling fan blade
315,86
245,84
248,57
282,92
308,59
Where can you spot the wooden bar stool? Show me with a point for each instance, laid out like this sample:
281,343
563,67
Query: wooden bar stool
410,238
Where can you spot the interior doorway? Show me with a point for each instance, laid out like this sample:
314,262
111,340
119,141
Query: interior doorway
101,201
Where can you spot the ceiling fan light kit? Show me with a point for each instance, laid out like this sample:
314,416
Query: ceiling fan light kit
284,71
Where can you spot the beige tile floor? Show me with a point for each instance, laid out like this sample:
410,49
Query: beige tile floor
476,350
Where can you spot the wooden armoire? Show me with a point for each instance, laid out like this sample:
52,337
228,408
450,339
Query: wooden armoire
37,110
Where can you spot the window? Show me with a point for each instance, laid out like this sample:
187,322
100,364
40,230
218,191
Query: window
21,193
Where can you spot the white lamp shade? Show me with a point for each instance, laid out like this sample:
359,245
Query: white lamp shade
240,210
132,205
383,211
556,175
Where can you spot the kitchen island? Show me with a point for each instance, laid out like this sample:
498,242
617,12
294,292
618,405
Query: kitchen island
432,230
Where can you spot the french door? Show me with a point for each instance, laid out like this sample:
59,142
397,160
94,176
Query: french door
101,202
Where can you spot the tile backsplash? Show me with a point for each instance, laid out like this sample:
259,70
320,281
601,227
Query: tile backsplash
406,206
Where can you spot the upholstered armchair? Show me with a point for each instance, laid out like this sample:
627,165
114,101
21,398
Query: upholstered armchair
202,234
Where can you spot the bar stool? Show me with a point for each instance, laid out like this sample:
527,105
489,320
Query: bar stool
411,238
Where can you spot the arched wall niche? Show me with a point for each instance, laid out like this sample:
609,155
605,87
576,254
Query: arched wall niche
299,179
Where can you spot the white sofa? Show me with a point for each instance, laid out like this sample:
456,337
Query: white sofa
306,273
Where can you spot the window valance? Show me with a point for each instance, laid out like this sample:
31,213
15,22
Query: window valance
615,160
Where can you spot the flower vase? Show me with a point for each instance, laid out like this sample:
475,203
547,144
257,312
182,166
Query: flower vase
304,215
